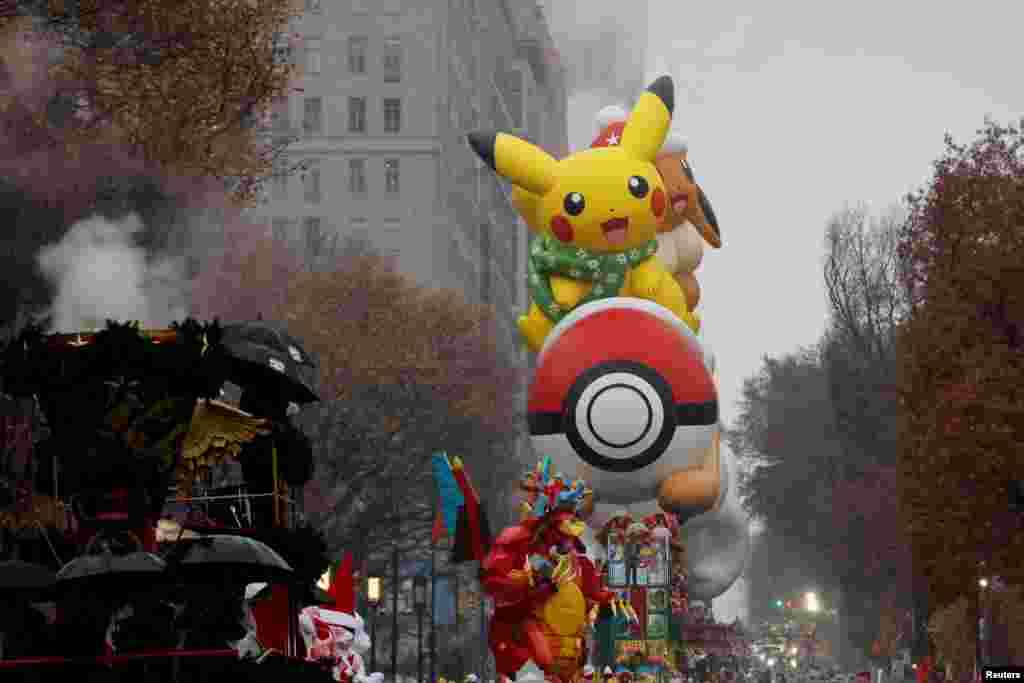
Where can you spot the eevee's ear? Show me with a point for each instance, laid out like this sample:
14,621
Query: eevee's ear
516,160
648,123
709,230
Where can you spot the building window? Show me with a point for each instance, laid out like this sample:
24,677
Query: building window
311,182
534,127
357,115
279,118
313,238
357,46
313,116
359,233
497,113
391,177
313,56
279,186
357,177
486,264
315,6
283,52
279,229
392,59
515,96
392,115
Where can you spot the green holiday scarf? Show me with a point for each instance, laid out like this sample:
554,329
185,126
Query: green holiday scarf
550,257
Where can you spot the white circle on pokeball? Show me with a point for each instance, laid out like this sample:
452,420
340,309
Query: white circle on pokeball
626,414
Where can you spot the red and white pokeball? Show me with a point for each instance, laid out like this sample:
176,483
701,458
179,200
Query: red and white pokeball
623,396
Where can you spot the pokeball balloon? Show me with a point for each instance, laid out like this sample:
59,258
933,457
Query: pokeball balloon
623,397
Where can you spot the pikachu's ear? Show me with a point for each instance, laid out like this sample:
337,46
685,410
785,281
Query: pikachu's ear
516,160
648,123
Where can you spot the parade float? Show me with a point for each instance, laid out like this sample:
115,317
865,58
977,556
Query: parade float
172,508
624,393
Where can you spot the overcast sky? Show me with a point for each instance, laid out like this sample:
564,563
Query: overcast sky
792,109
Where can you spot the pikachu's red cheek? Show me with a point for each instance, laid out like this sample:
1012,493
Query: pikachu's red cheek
561,228
658,202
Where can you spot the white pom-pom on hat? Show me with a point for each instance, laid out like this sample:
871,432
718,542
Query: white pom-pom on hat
674,144
609,115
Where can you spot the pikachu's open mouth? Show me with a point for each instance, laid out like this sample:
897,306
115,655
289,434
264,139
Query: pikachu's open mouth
615,230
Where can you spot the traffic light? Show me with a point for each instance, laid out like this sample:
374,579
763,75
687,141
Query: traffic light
1016,491
778,603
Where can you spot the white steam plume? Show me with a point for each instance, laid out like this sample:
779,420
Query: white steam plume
99,272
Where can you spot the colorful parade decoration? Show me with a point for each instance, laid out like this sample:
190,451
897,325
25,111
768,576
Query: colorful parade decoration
460,515
600,209
546,590
332,638
336,636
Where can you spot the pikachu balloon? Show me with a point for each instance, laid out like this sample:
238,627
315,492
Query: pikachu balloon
600,210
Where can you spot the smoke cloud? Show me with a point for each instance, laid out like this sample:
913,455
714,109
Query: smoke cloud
98,272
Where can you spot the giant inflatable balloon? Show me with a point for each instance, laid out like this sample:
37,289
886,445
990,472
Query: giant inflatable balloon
624,394
600,209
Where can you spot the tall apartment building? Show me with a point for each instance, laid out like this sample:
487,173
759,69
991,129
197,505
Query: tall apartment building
388,91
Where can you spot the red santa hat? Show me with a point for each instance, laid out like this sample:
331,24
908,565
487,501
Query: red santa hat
611,121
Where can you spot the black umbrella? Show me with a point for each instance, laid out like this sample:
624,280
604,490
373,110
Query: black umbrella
109,572
261,354
26,580
221,558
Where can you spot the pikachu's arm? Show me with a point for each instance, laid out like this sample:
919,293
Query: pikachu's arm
568,292
647,276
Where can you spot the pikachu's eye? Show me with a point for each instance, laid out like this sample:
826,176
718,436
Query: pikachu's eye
574,203
638,186
687,170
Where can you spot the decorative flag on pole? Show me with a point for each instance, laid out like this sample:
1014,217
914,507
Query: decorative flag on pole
473,533
461,516
449,494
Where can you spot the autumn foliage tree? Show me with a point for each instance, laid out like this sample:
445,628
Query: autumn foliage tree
819,428
182,82
405,371
961,364
86,127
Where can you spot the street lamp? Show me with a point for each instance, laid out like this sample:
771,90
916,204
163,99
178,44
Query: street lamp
419,595
373,596
979,653
811,601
